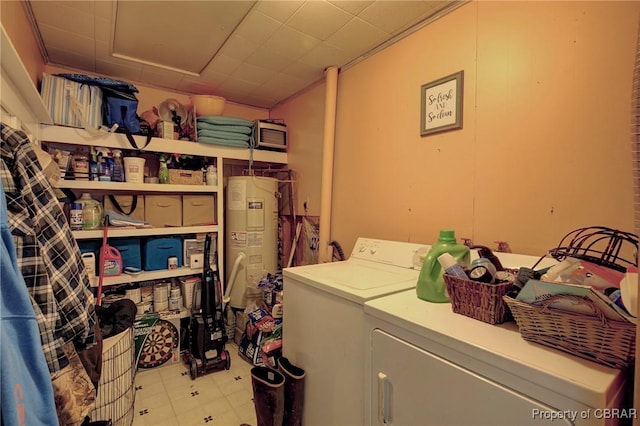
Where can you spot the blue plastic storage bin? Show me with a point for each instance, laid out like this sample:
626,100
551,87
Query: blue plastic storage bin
157,251
130,251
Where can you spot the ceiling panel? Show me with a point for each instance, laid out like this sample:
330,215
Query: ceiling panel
256,53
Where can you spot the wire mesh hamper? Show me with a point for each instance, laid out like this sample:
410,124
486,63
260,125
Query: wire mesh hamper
116,389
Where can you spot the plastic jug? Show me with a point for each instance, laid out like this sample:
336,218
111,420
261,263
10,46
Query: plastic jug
431,285
91,212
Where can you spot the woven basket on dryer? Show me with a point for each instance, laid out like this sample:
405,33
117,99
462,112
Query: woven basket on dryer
596,338
478,300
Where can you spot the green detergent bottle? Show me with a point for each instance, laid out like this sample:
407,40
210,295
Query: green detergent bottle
430,282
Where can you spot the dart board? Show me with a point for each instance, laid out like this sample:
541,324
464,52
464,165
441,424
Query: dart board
159,345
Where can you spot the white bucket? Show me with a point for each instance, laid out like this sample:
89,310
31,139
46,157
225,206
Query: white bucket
160,306
161,293
143,308
134,169
134,295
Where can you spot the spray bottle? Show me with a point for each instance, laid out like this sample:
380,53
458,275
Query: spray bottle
118,169
431,285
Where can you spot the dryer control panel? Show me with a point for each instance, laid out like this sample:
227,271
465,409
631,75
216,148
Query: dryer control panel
388,252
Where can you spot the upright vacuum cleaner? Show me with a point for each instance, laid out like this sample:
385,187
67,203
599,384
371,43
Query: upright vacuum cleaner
207,333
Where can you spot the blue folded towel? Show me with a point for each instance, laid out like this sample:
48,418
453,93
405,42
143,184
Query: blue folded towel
223,135
220,119
224,128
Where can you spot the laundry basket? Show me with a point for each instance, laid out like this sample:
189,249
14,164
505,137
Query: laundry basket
116,389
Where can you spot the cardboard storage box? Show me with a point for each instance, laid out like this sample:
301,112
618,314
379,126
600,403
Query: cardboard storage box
163,210
198,210
186,177
60,95
157,339
126,203
157,251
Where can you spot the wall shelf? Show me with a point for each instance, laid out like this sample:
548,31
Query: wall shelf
74,136
161,274
115,232
133,187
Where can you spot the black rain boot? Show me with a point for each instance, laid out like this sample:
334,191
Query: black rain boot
293,392
268,395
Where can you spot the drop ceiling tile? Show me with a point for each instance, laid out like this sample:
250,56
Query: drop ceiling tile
285,83
81,6
161,77
257,100
319,19
252,73
357,37
223,64
104,9
325,55
131,72
63,40
303,70
279,10
68,19
70,59
268,59
257,26
103,29
290,43
103,50
210,77
351,6
239,47
190,85
232,86
184,37
393,16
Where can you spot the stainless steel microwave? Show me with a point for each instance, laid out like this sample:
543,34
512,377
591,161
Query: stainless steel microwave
270,135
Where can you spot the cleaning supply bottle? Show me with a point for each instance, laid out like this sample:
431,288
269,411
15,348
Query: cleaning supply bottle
163,171
94,171
117,172
91,212
430,282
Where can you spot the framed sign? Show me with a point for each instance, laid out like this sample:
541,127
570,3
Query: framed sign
441,106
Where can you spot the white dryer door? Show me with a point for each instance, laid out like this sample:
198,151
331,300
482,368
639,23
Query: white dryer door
413,387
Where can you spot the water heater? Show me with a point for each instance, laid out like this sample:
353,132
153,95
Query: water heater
251,233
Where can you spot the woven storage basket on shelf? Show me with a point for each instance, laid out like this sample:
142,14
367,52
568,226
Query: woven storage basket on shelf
478,300
596,338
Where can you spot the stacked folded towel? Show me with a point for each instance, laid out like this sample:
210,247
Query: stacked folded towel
226,131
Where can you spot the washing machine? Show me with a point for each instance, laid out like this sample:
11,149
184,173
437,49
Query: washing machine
428,365
323,323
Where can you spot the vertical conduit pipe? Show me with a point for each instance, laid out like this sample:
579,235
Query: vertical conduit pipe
328,141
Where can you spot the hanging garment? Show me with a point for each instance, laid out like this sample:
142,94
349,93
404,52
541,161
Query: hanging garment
47,254
26,393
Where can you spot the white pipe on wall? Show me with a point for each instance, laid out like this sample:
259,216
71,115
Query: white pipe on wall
328,141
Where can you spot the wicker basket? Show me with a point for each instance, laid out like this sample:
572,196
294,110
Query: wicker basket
186,177
596,338
478,300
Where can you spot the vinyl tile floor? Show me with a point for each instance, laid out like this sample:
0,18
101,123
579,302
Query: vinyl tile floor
167,396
